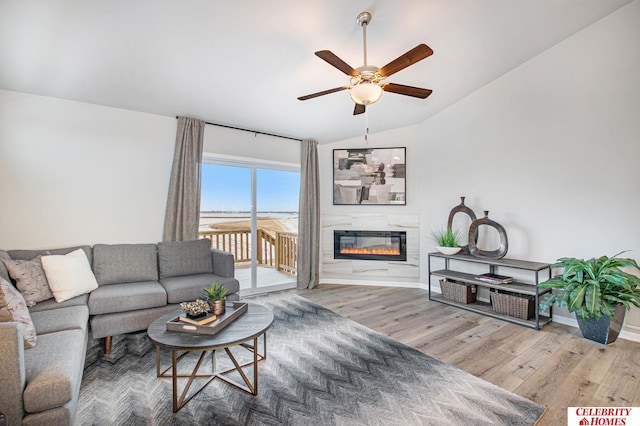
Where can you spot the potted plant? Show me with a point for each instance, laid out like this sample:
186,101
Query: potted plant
598,291
216,294
447,240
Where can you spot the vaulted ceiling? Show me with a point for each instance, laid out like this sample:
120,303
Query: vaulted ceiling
244,63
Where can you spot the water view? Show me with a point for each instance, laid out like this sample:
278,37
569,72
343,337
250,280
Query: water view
271,221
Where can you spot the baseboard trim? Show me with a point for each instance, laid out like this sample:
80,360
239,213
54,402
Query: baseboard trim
372,283
629,335
566,321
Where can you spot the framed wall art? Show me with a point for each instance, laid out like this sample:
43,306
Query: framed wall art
369,176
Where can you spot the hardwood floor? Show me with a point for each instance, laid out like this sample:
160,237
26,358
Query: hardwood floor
554,366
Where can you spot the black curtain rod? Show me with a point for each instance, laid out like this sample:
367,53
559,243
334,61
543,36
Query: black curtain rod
251,131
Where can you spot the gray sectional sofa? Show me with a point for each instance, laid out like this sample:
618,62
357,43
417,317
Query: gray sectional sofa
137,283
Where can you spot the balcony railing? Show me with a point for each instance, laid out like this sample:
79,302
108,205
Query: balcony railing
277,250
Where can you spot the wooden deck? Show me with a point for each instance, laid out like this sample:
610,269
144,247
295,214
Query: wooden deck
274,249
555,366
267,277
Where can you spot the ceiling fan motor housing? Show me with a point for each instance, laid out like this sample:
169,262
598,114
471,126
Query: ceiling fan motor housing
363,18
367,73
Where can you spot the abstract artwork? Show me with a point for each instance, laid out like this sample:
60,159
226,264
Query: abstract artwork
369,176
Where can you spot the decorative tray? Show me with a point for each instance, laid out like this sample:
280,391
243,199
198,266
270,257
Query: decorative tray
207,324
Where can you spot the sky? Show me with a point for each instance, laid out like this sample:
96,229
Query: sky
228,188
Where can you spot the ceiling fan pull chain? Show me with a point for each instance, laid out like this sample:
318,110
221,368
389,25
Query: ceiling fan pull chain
366,126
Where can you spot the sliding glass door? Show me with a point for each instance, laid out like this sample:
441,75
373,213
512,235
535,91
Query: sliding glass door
277,195
250,209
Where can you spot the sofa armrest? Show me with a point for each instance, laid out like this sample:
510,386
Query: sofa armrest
223,263
12,371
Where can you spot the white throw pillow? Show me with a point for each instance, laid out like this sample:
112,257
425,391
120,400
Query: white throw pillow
69,275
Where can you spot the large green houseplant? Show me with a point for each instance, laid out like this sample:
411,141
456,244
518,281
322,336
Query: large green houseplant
597,290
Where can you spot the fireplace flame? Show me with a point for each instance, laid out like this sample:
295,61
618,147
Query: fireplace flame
368,250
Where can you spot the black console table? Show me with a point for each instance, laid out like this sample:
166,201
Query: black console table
456,267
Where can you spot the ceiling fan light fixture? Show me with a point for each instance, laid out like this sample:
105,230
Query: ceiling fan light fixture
366,83
365,93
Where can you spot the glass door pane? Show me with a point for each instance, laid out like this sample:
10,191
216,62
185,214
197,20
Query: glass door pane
277,195
225,214
252,213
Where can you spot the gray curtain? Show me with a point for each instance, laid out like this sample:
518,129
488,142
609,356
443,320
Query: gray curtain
309,222
183,203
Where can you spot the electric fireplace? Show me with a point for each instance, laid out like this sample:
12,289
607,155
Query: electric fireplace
370,245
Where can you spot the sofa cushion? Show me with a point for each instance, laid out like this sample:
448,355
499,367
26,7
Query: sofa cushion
30,279
126,297
126,322
81,300
70,318
63,415
69,275
223,263
125,263
12,302
188,288
30,254
177,258
53,369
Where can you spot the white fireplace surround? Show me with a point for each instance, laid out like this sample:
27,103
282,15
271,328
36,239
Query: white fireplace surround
371,272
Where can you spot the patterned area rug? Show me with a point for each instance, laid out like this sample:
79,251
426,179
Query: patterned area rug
322,369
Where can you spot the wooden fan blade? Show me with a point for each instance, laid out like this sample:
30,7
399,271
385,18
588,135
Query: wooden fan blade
401,89
416,54
359,109
326,92
332,59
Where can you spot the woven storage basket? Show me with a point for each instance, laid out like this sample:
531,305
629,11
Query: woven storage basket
515,305
458,292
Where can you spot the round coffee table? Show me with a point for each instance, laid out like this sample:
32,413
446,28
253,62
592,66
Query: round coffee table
246,328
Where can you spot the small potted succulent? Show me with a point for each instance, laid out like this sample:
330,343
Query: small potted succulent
447,240
598,291
215,294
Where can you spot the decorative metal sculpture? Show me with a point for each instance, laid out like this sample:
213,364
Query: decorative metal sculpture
461,208
473,238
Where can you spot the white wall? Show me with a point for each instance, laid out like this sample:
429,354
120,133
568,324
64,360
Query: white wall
552,149
76,173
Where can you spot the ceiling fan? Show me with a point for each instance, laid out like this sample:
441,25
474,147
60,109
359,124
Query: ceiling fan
367,82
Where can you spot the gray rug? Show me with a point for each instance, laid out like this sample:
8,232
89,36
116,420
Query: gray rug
322,369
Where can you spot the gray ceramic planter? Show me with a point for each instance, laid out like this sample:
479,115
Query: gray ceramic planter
604,330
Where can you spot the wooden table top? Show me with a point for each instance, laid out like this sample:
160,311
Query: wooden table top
249,325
